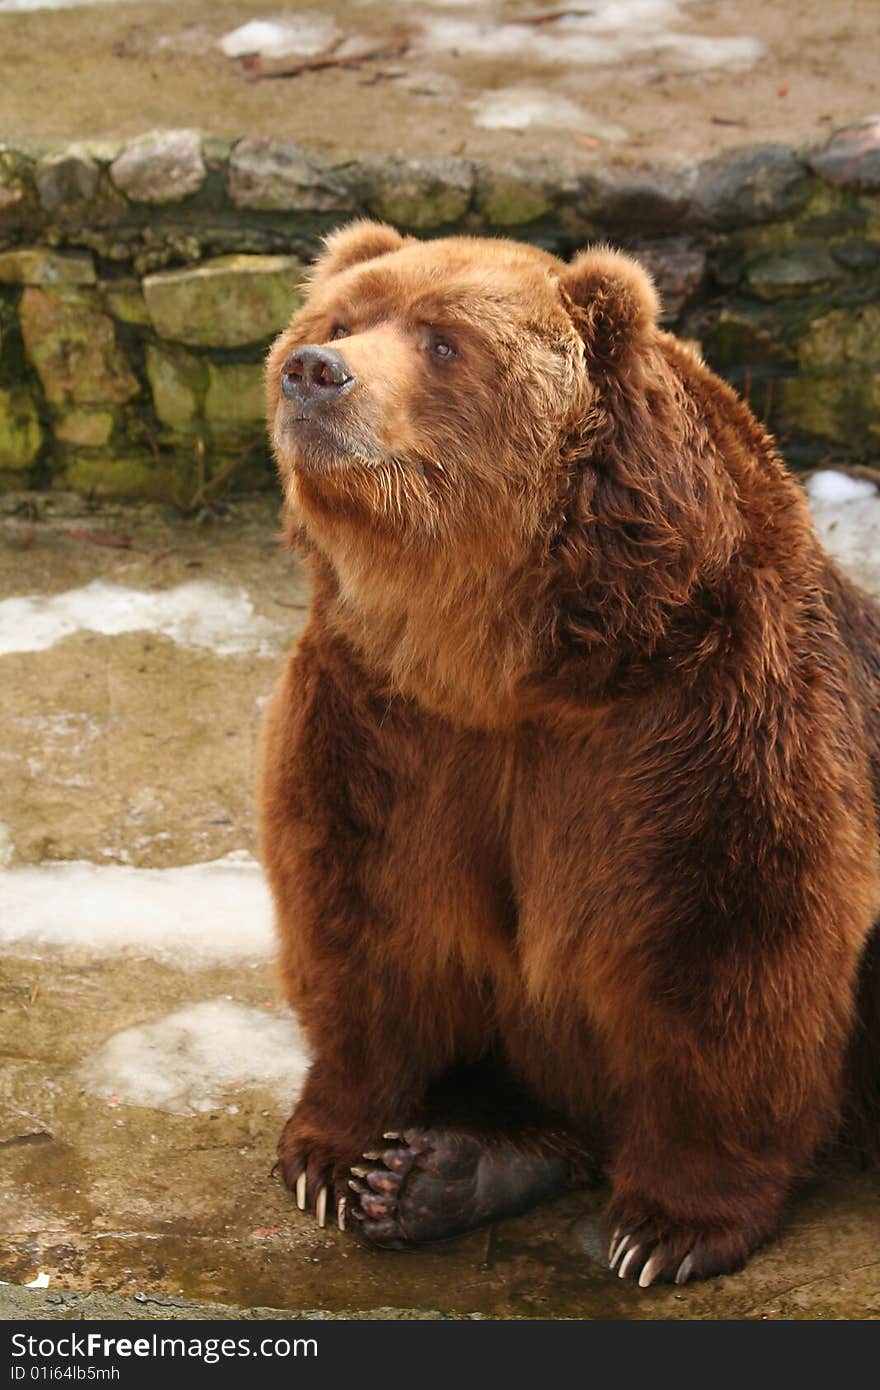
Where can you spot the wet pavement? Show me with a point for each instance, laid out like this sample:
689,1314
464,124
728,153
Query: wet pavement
148,1063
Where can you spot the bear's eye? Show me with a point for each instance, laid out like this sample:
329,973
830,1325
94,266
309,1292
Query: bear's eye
441,347
338,330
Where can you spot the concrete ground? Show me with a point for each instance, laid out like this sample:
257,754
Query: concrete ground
628,80
147,1062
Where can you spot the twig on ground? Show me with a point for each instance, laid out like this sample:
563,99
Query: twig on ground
254,68
103,538
550,16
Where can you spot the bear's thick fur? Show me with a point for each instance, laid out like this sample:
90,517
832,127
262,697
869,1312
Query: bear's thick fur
569,797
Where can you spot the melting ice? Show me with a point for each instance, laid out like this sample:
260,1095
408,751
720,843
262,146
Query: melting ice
196,614
198,1057
846,511
193,917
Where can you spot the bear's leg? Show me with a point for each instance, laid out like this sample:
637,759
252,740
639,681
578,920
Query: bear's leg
389,905
693,954
710,1138
379,1035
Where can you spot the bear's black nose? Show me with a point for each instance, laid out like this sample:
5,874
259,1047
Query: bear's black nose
315,374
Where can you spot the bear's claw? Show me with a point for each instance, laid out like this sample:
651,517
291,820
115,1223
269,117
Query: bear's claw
645,1253
321,1207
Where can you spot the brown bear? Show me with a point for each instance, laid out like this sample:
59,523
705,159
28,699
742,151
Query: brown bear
570,786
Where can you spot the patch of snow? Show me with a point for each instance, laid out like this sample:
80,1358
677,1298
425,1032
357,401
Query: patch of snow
830,486
610,32
694,53
196,614
55,729
616,16
516,108
193,917
38,772
194,1059
305,34
846,512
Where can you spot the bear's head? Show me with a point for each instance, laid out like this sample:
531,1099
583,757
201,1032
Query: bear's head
475,428
427,389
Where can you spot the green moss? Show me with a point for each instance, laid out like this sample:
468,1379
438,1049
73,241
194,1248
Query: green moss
177,381
418,193
236,399
801,269
18,198
86,428
134,476
35,265
124,300
512,195
844,338
736,340
840,409
812,406
21,434
227,302
12,363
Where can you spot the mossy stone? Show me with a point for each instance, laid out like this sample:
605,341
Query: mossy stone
812,405
843,409
735,340
276,176
73,347
12,364
843,338
67,182
417,193
851,158
763,183
164,166
18,196
226,302
124,299
89,429
803,269
133,476
512,194
21,435
37,266
236,398
177,383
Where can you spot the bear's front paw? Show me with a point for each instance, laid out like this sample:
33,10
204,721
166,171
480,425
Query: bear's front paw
317,1171
655,1252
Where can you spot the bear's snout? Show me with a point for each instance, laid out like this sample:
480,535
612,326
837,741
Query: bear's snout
315,375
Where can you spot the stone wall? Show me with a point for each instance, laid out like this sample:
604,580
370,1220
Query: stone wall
141,284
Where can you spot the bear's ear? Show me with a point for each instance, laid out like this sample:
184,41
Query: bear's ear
613,304
359,241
